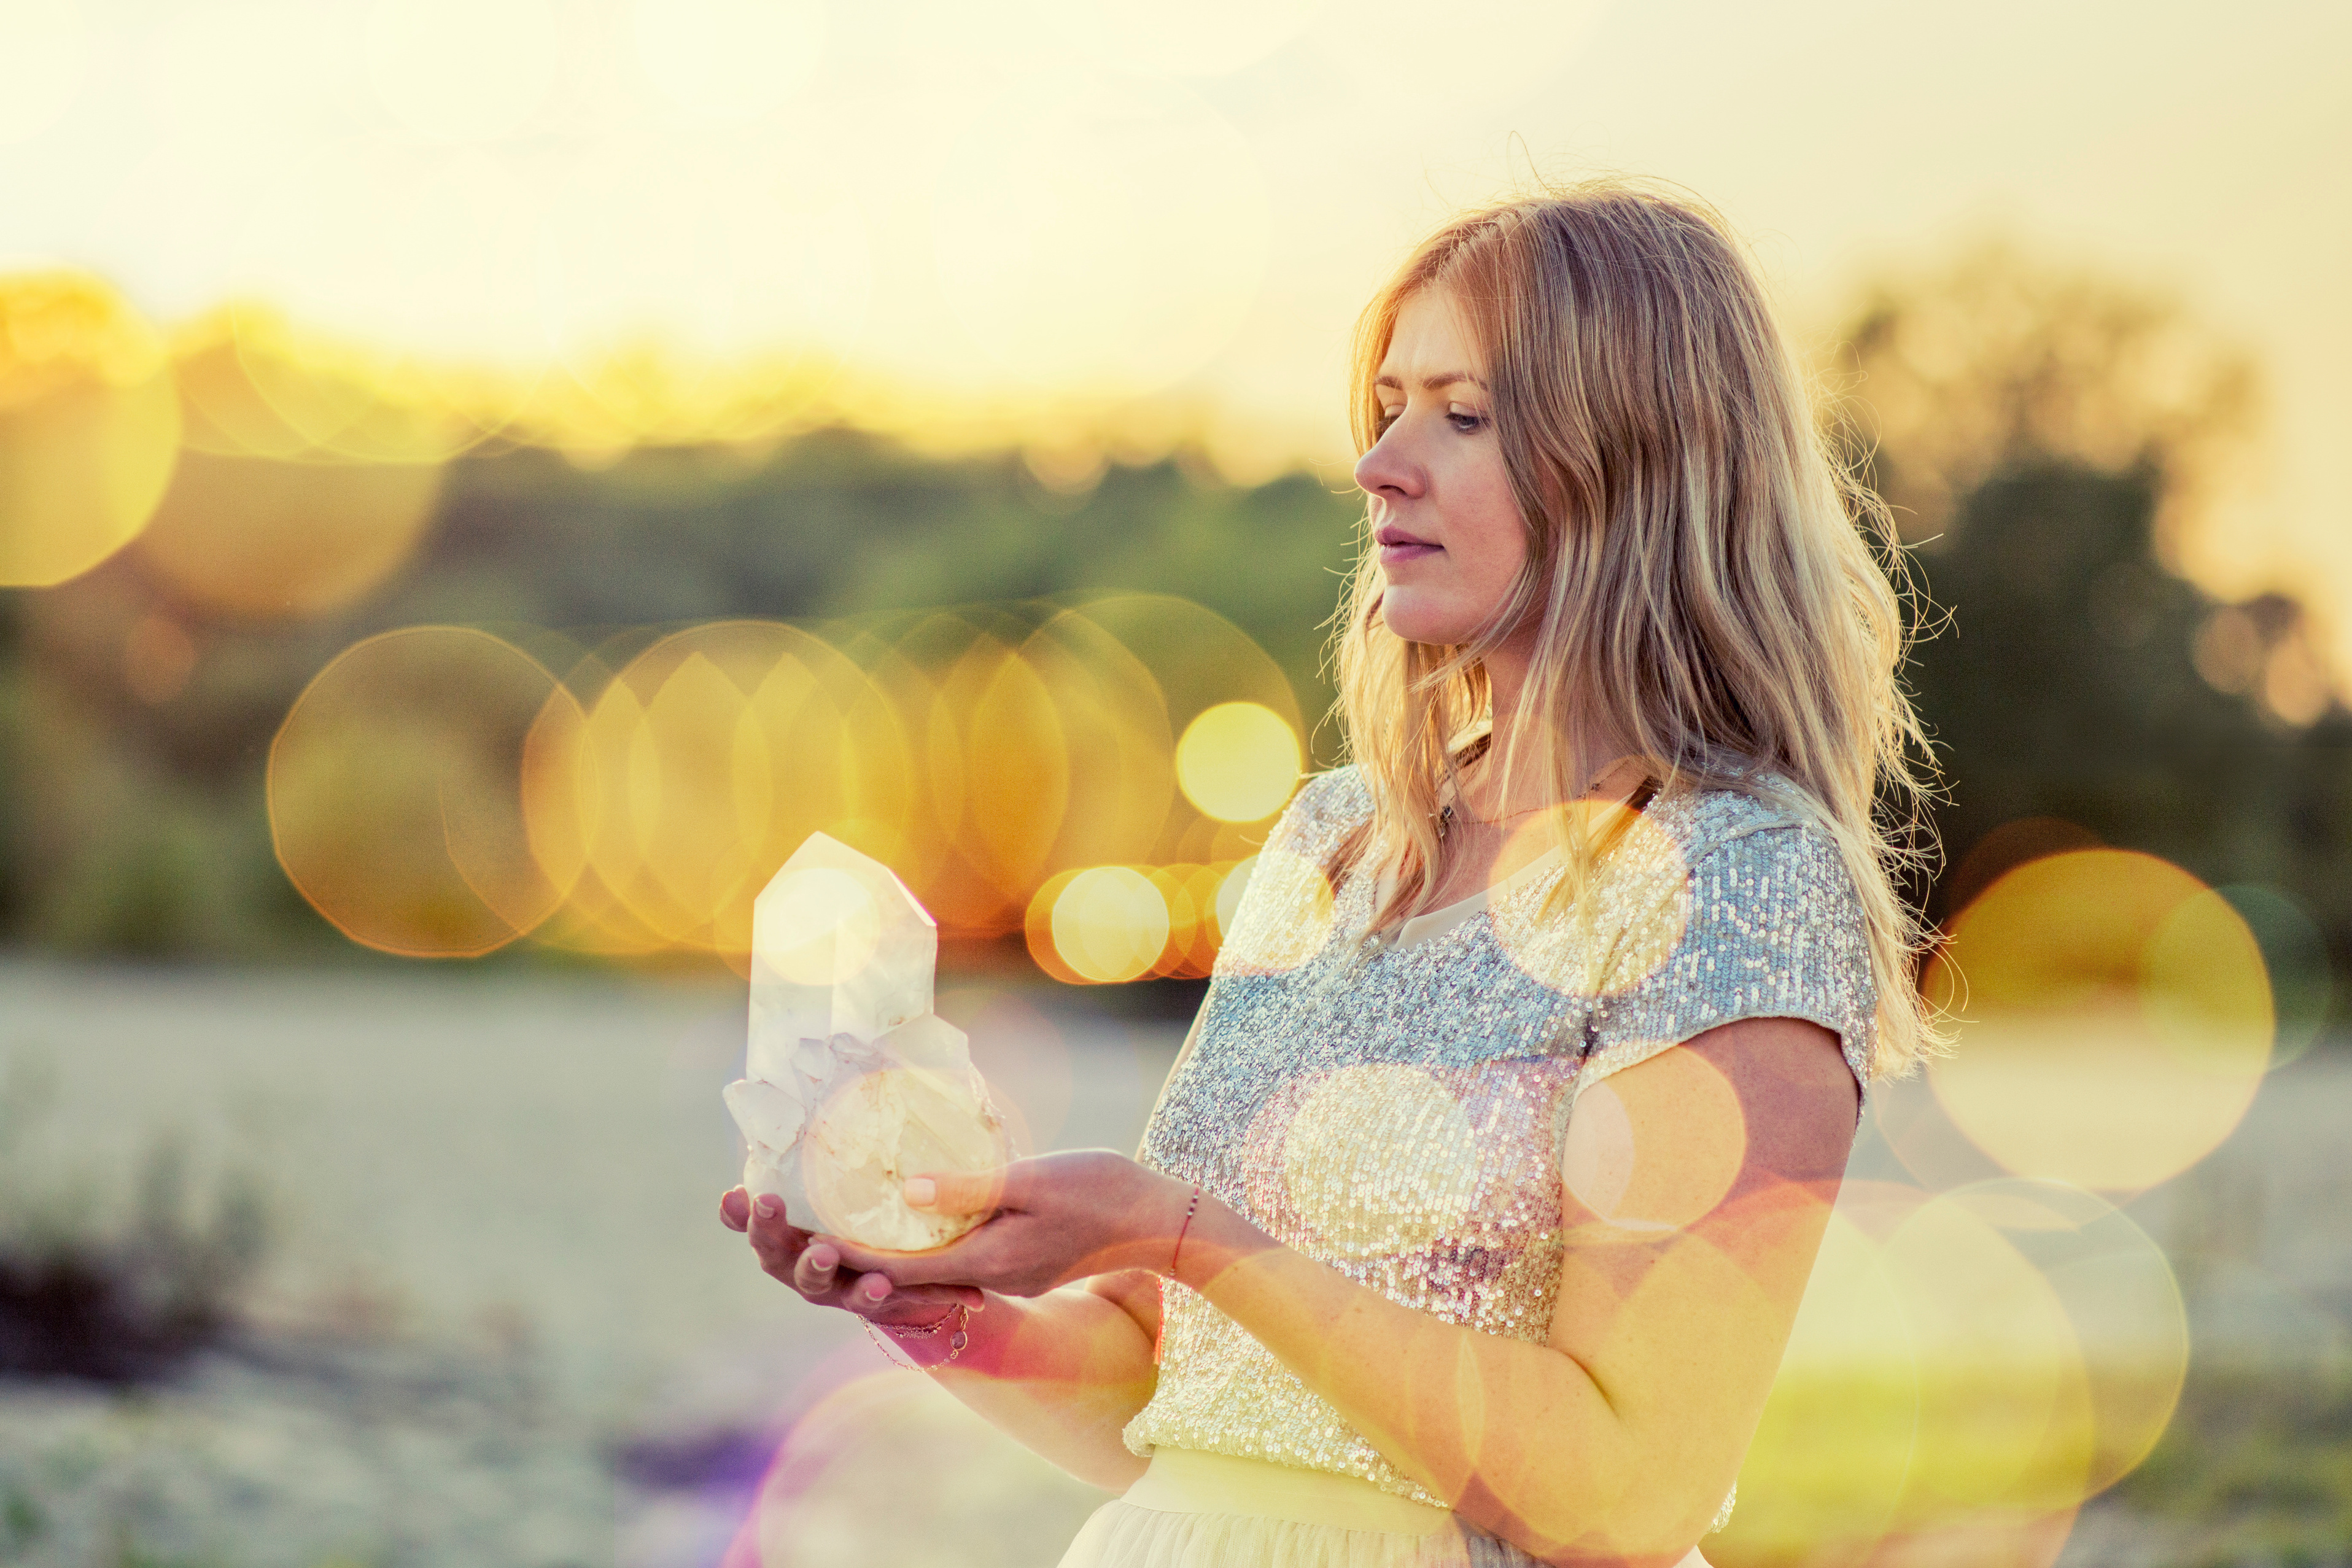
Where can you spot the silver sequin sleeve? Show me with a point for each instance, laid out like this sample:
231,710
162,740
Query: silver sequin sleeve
1765,925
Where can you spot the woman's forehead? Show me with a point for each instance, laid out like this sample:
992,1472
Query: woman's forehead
1430,344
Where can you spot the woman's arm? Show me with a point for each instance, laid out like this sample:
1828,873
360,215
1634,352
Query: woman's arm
1699,1184
1062,1372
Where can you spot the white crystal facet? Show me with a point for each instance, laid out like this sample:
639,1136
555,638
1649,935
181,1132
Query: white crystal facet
767,1114
852,1084
839,946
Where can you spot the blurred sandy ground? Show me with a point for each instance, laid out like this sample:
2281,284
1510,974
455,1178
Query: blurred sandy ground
502,1325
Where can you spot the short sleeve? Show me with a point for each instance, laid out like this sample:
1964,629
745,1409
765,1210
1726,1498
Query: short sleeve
1285,911
1325,808
1764,925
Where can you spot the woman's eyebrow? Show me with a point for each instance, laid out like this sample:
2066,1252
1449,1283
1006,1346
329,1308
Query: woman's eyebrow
1443,378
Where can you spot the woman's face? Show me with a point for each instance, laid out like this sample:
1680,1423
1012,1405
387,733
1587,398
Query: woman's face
1450,542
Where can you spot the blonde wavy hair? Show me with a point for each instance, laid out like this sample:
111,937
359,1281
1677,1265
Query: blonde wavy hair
1697,557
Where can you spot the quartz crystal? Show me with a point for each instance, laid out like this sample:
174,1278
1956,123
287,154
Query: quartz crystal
851,1082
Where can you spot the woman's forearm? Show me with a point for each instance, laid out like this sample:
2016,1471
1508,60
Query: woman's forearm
1062,1374
1515,1436
1618,1436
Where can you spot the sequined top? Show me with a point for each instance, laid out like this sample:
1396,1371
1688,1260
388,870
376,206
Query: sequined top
1397,1110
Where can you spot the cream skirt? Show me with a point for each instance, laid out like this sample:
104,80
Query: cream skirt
1191,1509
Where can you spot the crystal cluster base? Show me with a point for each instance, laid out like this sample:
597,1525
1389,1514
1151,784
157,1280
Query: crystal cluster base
852,1084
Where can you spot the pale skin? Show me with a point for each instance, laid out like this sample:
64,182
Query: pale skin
1695,1185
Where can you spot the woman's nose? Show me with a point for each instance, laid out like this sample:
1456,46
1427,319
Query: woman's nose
1388,471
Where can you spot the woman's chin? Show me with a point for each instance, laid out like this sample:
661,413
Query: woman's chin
1437,631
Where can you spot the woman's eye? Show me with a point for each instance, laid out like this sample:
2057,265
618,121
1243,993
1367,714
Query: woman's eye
1388,417
1468,424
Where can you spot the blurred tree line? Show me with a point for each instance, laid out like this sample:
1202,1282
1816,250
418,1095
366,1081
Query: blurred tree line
2049,442
2052,446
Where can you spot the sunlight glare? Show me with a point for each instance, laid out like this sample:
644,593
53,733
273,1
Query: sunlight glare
43,61
687,298
462,70
728,61
1109,234
1204,38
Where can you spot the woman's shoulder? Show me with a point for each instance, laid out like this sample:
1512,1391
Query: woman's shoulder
1760,820
1327,808
1762,919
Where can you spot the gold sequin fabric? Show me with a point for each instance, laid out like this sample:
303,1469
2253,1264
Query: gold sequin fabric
1397,1110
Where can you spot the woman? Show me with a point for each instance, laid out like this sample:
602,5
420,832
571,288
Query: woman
1473,1220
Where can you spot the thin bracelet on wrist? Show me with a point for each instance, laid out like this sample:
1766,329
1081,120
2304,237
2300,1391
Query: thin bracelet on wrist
1190,1210
959,1315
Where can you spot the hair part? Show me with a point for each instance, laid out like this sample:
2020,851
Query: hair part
1704,577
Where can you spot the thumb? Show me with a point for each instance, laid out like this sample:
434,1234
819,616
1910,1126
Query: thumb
957,1192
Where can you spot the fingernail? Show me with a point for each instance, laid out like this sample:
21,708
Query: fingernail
877,1289
824,1257
922,1192
771,1206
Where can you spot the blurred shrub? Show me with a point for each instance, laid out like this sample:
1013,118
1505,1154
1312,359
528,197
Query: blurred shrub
94,1285
2059,447
146,716
2256,1469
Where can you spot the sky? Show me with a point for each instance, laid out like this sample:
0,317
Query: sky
1094,209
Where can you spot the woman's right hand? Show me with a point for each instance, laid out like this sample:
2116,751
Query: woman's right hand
813,1269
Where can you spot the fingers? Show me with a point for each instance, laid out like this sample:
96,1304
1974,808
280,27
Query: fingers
817,1268
778,1242
956,1192
815,1272
958,1262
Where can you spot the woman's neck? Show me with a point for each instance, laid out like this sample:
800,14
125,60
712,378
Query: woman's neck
1514,775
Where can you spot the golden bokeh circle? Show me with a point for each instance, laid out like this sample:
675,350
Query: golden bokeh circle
2004,1417
710,756
1115,745
1834,1446
1275,911
1342,1141
260,538
2124,1305
1110,924
1607,1169
2115,1020
877,1129
396,787
89,426
1238,762
1550,929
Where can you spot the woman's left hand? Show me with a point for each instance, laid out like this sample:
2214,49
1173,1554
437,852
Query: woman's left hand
1057,1217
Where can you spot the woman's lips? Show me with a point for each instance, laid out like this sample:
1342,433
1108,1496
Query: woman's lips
1397,546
